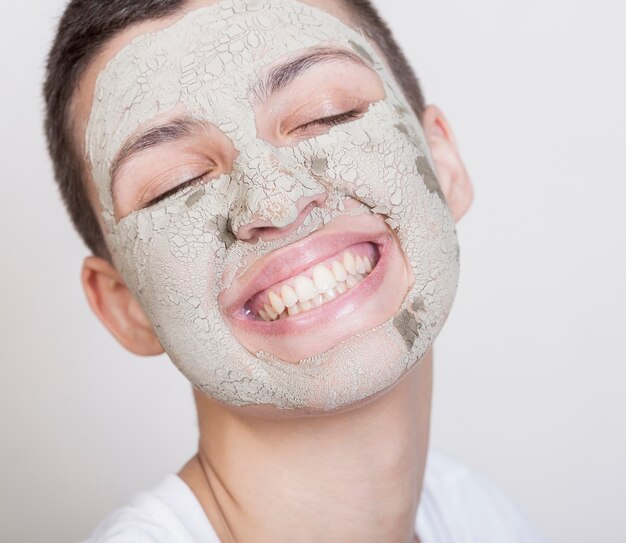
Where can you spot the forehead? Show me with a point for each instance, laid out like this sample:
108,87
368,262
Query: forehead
211,54
84,96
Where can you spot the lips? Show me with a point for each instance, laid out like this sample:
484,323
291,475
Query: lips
315,286
284,266
376,297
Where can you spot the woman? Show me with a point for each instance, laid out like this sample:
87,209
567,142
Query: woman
269,202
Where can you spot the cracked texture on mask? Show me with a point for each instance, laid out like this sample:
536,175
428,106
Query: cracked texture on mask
179,254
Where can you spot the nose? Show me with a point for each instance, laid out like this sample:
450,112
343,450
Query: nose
261,228
276,194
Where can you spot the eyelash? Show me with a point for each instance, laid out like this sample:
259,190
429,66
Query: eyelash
333,120
189,183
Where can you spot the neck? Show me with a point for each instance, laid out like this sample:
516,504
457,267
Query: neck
352,476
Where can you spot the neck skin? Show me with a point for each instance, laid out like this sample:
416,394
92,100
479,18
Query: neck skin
354,476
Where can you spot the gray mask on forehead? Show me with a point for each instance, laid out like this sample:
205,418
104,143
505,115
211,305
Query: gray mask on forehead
178,255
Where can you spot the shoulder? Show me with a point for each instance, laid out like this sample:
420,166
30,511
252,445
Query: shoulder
169,512
460,504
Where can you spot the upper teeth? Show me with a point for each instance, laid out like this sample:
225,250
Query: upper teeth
307,293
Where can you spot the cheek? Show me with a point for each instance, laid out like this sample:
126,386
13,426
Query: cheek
172,262
374,168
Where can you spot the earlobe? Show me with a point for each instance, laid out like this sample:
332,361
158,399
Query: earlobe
451,173
117,308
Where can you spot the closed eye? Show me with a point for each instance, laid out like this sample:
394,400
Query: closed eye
333,120
189,183
329,121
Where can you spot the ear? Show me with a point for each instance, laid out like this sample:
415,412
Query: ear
117,308
453,179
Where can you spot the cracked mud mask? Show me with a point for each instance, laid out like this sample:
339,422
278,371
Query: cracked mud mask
269,199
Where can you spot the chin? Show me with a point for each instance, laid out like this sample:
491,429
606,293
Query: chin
272,412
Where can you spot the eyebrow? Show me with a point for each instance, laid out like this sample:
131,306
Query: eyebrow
274,81
164,133
280,76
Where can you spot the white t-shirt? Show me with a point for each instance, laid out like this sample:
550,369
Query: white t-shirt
457,506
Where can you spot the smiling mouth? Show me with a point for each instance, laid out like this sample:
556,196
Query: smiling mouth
316,286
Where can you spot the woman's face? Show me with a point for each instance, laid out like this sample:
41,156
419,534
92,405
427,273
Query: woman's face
269,199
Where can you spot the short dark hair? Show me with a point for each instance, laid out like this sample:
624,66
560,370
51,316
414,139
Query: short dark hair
85,27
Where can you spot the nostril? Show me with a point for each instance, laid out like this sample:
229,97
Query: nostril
264,229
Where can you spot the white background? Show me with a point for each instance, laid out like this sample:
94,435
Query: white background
531,365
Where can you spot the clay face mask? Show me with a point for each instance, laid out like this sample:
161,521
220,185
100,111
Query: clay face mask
186,258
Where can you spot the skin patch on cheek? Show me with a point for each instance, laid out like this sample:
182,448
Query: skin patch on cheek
179,255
